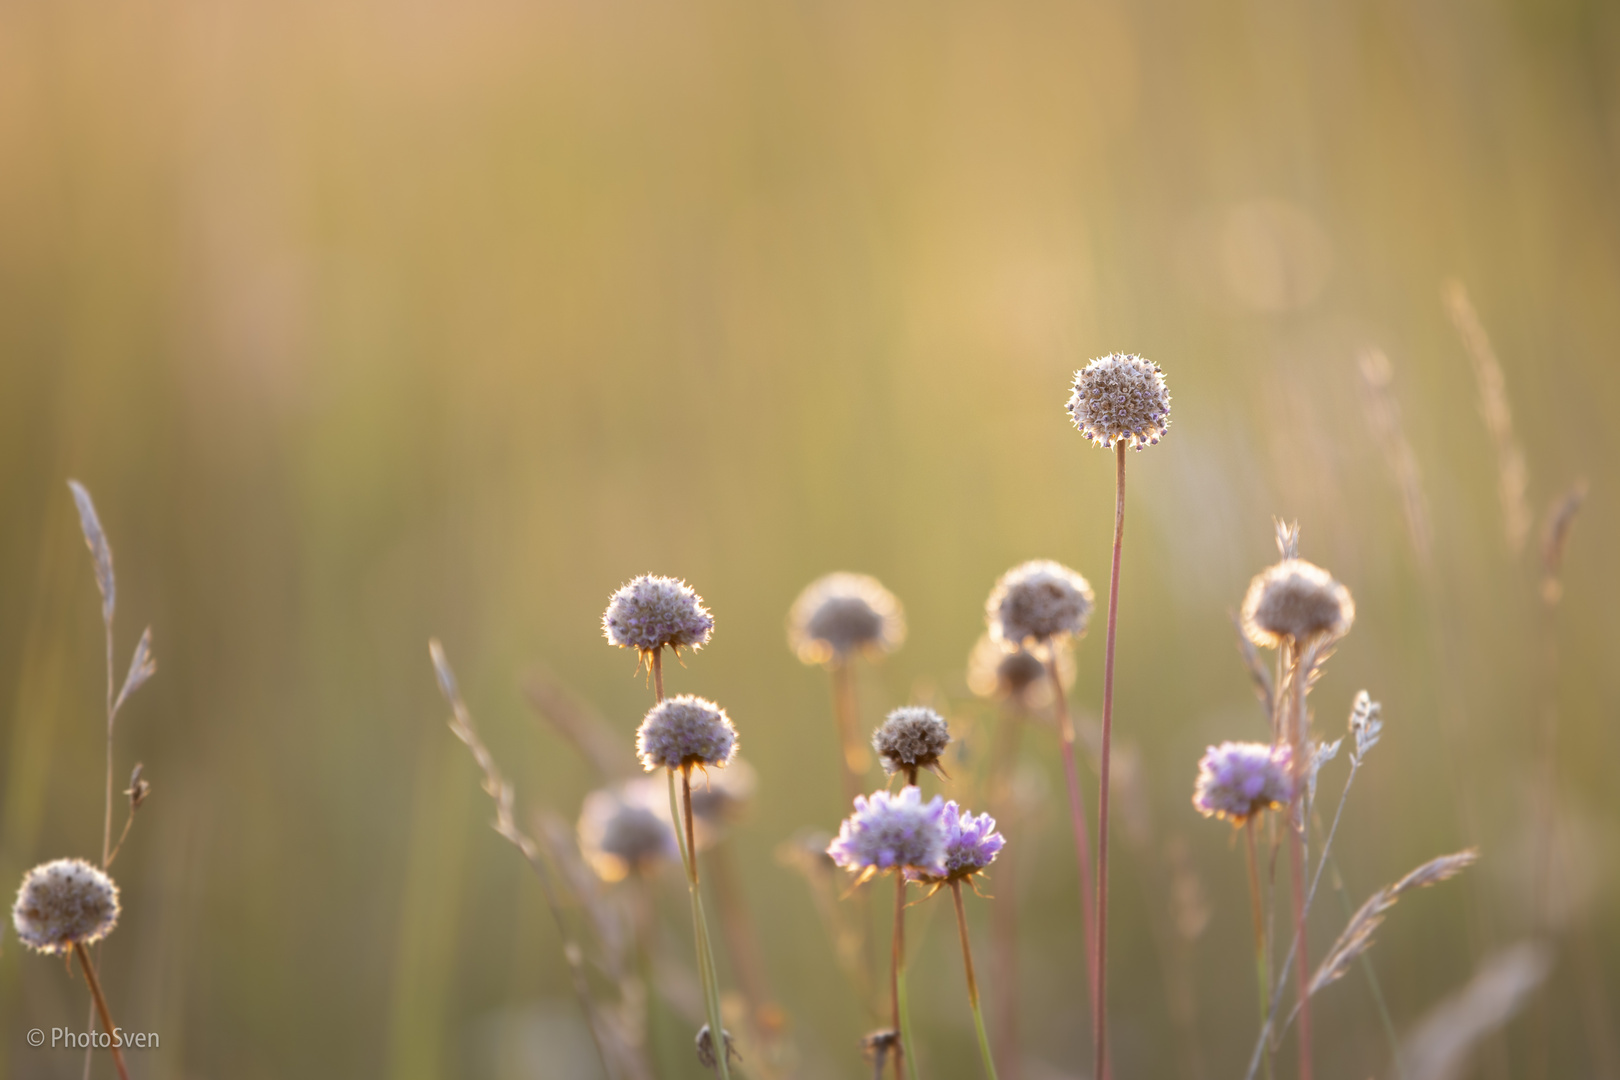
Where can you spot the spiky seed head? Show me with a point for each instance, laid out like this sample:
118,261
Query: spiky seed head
1120,397
1018,676
912,737
892,832
841,614
705,1048
621,831
683,731
1036,602
1237,780
651,612
64,903
1296,601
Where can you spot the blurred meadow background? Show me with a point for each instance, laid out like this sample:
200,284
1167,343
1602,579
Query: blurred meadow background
367,321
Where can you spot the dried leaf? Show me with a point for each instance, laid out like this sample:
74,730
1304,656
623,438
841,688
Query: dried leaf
1439,1047
100,550
142,666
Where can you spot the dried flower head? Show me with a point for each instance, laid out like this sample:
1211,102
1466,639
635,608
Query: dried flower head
892,832
622,832
1120,397
912,737
1296,601
841,614
705,1048
683,731
1237,780
1037,601
971,844
64,903
651,612
1018,676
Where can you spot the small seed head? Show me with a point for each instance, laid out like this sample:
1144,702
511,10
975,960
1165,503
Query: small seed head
913,737
683,731
1296,601
1018,676
621,831
1036,602
842,614
64,903
651,612
1120,397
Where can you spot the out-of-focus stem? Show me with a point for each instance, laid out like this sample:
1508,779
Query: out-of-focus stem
972,983
1004,914
700,929
1261,963
1099,1003
851,751
1077,821
1296,865
100,1002
897,959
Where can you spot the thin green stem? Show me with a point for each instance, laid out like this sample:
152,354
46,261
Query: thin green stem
972,983
700,930
1256,904
902,1013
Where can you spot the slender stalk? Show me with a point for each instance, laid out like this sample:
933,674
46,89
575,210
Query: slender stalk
100,1003
1297,867
1077,819
106,823
700,930
1099,998
972,983
658,673
1256,904
851,753
897,957
1004,914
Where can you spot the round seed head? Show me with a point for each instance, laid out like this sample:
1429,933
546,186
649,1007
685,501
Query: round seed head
1018,676
651,612
912,737
841,614
64,903
621,831
1296,600
1120,397
683,731
892,832
1037,601
1237,780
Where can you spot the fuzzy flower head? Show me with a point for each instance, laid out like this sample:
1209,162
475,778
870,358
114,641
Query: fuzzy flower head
621,831
842,614
971,844
1237,780
1120,398
1296,601
64,903
1018,676
683,731
651,612
1038,601
913,737
892,832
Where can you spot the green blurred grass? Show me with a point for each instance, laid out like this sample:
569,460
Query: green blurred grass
366,322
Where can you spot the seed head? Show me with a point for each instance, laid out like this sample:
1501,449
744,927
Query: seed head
913,737
1296,601
64,903
841,614
1037,601
621,831
651,612
1120,397
1018,676
683,731
1237,780
892,832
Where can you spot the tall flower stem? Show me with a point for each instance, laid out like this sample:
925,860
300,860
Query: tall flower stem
1077,819
972,983
700,928
903,1049
1261,963
852,758
1099,1003
100,1002
1297,867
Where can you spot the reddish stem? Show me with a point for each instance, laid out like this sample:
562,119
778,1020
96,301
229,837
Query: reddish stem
898,957
1099,1002
101,1007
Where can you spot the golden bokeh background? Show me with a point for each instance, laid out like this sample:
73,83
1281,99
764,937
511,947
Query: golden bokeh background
367,321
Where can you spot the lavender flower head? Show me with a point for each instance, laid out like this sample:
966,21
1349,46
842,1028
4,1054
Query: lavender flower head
683,731
971,842
841,614
1296,601
1037,601
1237,780
622,832
64,903
1120,397
892,832
912,737
651,612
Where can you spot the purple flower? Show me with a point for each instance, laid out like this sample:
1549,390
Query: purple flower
971,842
890,832
651,612
1237,780
683,731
